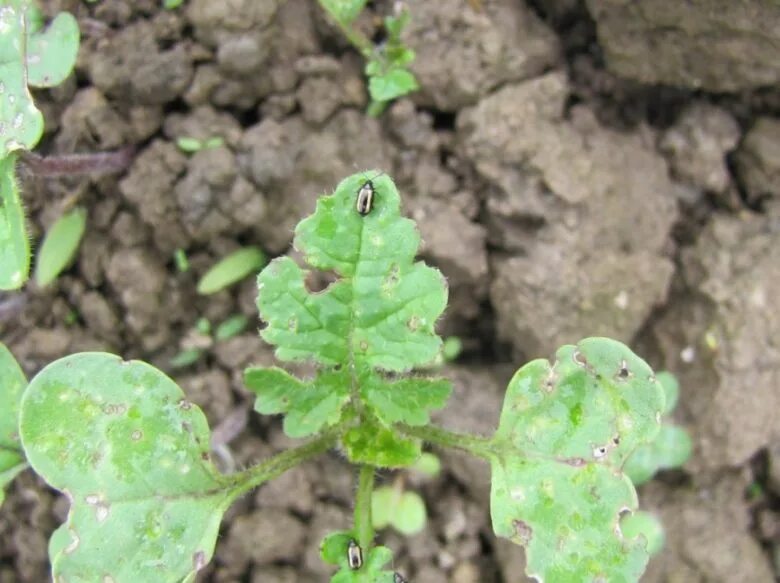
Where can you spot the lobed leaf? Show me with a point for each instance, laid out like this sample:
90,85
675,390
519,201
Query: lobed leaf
14,246
132,455
565,431
309,406
59,246
377,317
12,384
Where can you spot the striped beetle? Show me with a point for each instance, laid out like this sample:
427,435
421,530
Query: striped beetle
354,555
365,196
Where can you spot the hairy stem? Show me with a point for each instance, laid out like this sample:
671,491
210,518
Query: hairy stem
473,444
280,463
76,164
364,529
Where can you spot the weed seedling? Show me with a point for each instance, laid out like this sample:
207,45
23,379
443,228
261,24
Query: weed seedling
133,453
59,246
387,64
231,269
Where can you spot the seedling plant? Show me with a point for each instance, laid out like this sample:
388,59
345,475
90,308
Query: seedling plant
387,64
131,453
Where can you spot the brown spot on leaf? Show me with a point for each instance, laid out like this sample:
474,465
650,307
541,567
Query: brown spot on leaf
523,532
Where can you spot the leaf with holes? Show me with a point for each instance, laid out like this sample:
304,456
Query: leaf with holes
132,455
377,318
12,383
14,246
565,431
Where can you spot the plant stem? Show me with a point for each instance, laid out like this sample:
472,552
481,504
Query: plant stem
360,41
364,529
280,463
473,444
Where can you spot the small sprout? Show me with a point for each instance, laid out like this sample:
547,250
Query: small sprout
231,269
354,555
231,327
171,5
190,145
181,261
59,246
186,358
203,326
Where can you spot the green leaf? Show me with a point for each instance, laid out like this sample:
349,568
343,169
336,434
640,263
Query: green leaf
452,348
51,53
404,511
428,465
133,457
231,327
171,4
309,406
381,312
671,448
231,269
370,572
407,400
564,433
377,317
376,445
392,84
181,261
646,525
333,548
12,384
186,144
59,246
14,246
343,11
21,124
671,388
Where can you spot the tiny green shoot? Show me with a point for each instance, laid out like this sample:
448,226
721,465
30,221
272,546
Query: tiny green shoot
181,261
232,326
59,246
231,269
191,145
172,4
387,65
185,358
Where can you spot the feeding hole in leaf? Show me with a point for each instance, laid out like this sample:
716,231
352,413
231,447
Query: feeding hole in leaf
136,435
198,560
580,359
623,374
599,452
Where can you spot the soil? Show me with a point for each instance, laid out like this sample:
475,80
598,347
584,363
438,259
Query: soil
560,190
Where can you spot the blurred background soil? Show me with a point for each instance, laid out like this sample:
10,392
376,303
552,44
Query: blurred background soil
576,168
